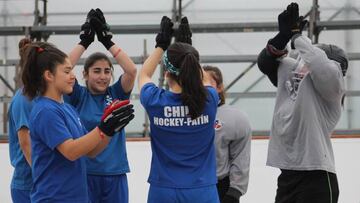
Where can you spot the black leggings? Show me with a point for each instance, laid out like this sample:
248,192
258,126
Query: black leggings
223,186
307,187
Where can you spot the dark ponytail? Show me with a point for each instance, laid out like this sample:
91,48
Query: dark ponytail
216,75
190,77
39,57
23,45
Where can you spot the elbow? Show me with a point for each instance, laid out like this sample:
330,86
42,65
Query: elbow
268,66
133,72
266,63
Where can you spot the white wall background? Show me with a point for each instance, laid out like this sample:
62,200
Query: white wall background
262,185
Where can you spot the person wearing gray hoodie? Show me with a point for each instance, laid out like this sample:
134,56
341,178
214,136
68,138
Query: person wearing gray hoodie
310,92
232,144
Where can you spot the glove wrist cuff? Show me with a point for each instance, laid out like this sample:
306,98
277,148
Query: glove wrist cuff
161,46
280,41
84,44
102,135
108,44
272,51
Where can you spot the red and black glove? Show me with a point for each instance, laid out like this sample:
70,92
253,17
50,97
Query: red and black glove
116,116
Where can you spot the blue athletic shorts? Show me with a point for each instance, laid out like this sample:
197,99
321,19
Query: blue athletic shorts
206,194
108,189
20,196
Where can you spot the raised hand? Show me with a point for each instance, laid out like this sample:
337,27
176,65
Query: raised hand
102,29
163,38
87,34
184,34
289,24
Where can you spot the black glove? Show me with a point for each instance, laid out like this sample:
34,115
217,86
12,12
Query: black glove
102,29
87,34
288,26
163,38
117,119
299,27
184,34
230,199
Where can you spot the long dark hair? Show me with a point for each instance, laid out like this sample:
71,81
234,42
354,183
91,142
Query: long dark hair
37,58
217,76
23,45
186,59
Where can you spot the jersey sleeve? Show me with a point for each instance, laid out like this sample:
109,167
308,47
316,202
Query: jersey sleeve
74,97
325,73
20,112
117,90
148,93
51,128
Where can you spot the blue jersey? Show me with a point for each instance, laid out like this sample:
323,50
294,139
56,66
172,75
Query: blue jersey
56,179
113,160
183,154
19,112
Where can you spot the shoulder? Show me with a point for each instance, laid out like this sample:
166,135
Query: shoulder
150,93
45,107
70,108
149,87
19,99
236,111
234,114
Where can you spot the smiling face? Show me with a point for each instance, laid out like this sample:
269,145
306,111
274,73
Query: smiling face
98,76
62,80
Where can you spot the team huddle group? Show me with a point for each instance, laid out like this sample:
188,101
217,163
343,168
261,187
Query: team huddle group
67,141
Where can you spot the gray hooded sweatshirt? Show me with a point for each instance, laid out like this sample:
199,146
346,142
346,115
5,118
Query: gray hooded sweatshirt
233,145
308,106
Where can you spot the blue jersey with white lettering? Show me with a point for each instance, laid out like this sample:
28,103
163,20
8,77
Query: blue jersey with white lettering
113,159
56,178
183,154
